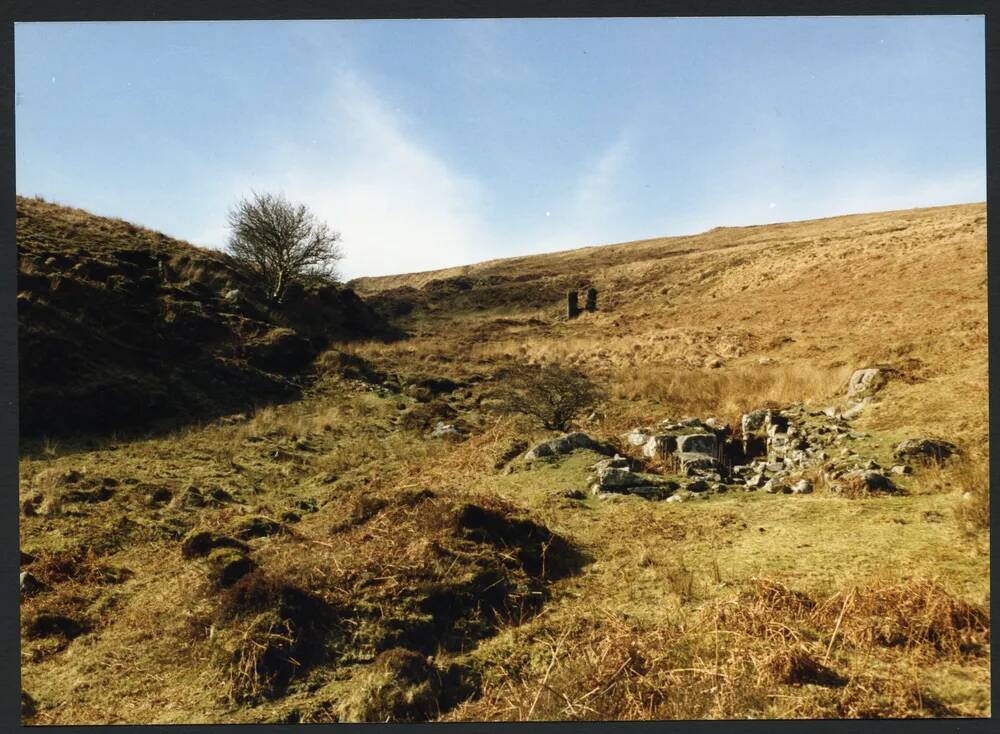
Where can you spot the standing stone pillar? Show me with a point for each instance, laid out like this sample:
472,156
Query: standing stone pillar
572,305
591,299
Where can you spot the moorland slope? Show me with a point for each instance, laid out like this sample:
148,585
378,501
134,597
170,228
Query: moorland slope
343,557
122,328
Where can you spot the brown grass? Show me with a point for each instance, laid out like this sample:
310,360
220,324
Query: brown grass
919,615
744,656
728,394
971,474
746,605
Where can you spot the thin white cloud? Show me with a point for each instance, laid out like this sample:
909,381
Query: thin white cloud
402,207
593,209
597,196
398,205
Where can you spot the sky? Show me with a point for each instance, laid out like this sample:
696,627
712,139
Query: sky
433,143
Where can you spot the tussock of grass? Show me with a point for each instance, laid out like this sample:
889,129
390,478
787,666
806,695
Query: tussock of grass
263,660
762,610
741,656
728,394
78,565
972,476
279,629
919,615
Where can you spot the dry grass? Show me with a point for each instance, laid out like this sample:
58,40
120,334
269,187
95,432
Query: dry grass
728,394
252,673
971,473
68,227
764,652
744,605
919,615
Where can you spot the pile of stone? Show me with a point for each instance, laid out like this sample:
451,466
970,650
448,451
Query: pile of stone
773,450
567,444
780,444
621,475
861,389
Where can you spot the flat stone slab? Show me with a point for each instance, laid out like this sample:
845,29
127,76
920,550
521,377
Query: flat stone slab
569,443
697,443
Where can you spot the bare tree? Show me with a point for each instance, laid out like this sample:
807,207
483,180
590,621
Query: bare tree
553,394
279,242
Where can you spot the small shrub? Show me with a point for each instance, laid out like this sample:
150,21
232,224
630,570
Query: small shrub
552,394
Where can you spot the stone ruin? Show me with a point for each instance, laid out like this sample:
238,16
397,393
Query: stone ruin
573,303
770,451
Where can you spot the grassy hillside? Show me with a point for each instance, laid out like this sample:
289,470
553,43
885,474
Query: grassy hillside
330,559
813,300
120,328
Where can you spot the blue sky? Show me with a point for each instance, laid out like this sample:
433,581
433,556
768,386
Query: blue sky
438,143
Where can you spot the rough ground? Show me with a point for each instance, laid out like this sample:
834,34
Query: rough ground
121,328
326,559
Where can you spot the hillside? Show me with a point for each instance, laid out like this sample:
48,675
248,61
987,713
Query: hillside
781,536
120,327
904,289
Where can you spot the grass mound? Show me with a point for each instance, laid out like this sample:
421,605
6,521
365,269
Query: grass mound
431,573
540,552
118,324
916,614
408,577
281,629
403,685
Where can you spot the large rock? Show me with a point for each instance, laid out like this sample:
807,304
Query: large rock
865,382
612,478
696,463
569,443
854,409
636,437
925,449
617,480
659,446
697,443
753,421
618,462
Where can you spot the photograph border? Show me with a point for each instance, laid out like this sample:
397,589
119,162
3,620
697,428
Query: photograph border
194,10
